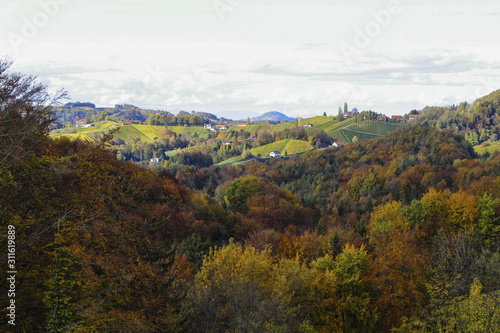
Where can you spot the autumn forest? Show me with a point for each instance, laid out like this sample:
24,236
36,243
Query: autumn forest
400,233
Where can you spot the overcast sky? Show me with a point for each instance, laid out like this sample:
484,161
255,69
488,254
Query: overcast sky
239,57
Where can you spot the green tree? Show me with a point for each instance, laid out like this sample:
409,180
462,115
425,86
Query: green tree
489,219
238,289
61,296
339,115
242,189
321,228
342,303
335,244
346,109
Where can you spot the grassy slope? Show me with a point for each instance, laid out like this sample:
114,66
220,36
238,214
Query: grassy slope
152,132
231,160
328,124
363,130
146,133
377,127
191,130
495,146
130,132
296,147
291,147
88,133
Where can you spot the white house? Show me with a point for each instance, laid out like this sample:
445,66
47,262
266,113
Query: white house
274,153
338,144
154,160
83,123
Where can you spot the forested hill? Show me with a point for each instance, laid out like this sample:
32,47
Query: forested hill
72,112
350,181
478,123
395,234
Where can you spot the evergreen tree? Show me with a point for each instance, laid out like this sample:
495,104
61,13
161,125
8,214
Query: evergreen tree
339,116
321,228
335,245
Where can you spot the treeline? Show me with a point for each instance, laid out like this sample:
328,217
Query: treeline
478,123
72,112
168,119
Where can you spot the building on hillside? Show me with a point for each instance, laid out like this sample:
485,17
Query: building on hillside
220,127
397,118
338,144
382,118
241,124
412,117
307,125
154,160
83,124
275,153
347,115
126,123
227,143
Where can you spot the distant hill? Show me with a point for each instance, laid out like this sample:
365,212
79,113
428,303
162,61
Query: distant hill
72,112
273,116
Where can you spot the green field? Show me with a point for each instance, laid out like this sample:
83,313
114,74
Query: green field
152,132
231,160
99,127
203,133
75,136
146,133
292,147
495,146
172,153
128,132
364,130
377,127
328,124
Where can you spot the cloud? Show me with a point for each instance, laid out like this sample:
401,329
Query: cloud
386,69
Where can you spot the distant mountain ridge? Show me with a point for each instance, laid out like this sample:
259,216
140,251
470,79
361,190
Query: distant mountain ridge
273,116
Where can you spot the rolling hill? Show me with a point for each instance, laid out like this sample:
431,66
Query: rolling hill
291,147
273,116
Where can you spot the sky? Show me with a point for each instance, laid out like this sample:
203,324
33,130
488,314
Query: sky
239,58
